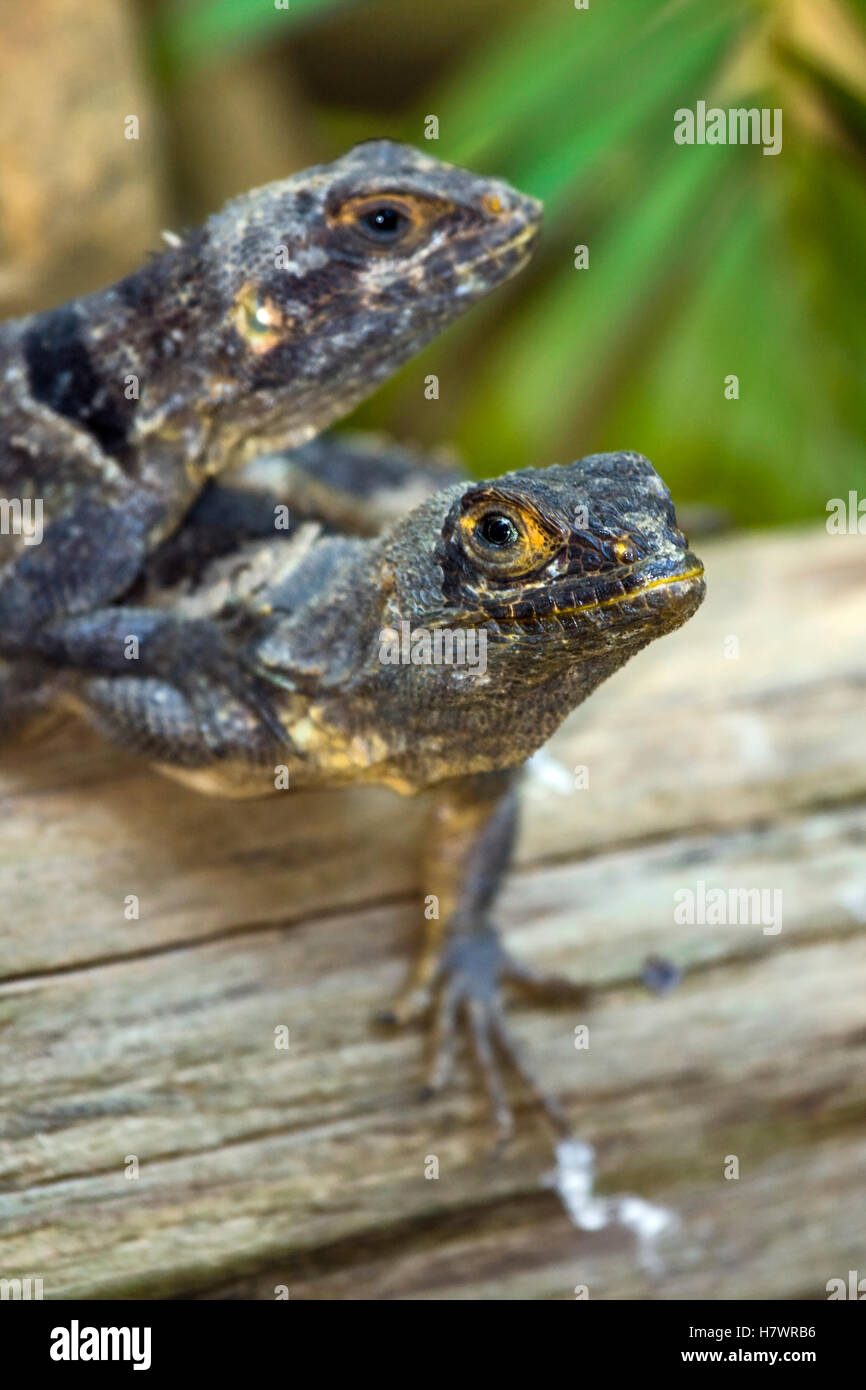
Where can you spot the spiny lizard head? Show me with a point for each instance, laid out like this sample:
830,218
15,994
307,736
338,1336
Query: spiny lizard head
326,282
561,567
579,553
506,603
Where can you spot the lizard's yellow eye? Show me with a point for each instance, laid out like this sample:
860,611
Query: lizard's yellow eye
260,322
388,220
497,530
385,223
503,536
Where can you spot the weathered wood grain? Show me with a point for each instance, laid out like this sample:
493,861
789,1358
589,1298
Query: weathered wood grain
305,1167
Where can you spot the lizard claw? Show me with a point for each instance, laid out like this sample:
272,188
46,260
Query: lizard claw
471,972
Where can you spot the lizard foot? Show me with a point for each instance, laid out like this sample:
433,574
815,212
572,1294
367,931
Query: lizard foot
468,988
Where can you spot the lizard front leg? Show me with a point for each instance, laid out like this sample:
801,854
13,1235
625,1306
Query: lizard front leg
88,558
195,658
463,963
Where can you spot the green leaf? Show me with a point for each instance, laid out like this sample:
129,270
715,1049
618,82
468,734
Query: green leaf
195,31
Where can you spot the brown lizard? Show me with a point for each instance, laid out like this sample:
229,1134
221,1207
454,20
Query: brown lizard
254,332
434,655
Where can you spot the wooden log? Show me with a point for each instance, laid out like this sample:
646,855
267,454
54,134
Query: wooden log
305,1167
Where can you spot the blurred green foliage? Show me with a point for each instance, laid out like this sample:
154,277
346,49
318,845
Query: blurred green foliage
196,31
704,261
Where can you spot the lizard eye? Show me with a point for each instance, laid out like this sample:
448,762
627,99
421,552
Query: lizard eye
385,220
505,536
496,529
385,223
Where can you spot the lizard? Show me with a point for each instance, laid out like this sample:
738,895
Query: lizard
560,574
254,332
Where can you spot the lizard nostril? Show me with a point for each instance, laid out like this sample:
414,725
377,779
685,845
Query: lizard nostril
624,552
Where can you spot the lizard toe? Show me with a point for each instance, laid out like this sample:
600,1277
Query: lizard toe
473,968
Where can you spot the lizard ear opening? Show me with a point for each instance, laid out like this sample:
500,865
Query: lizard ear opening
259,321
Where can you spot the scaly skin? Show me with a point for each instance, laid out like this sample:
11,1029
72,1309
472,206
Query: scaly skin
255,332
567,571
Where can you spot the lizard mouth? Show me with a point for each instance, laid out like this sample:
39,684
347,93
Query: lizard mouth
506,257
681,584
675,591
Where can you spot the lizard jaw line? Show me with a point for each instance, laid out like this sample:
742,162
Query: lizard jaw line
666,581
515,243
